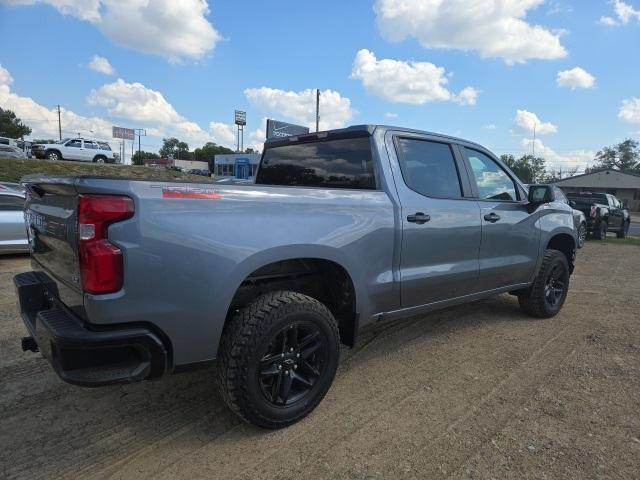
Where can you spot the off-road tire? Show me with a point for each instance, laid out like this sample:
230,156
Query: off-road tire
601,232
533,300
624,230
100,159
245,337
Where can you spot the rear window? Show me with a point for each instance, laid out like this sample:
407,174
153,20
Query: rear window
588,197
343,163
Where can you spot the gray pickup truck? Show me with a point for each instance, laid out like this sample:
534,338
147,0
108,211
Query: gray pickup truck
135,279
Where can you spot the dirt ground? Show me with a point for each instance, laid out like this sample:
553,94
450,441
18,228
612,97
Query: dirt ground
477,391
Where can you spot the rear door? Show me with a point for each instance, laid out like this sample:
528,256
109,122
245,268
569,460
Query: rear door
510,238
440,224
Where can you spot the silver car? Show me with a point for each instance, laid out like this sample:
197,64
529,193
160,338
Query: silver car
13,231
8,151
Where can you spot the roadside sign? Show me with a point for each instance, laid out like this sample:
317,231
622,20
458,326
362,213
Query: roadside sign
278,129
124,133
241,117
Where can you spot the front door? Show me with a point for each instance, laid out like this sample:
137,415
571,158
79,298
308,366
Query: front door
440,225
510,238
73,150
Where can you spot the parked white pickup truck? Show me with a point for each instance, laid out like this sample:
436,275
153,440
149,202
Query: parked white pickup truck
81,149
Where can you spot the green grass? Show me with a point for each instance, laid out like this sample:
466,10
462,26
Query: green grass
13,169
613,240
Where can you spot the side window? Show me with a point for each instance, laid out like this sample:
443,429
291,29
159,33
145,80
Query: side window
90,145
11,202
429,168
560,195
492,181
74,143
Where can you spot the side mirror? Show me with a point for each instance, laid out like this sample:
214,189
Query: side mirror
572,204
539,194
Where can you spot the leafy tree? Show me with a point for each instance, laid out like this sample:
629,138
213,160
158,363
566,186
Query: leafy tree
558,174
11,126
172,147
250,150
624,156
209,150
528,168
139,157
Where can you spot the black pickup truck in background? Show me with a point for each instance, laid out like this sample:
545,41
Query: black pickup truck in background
604,213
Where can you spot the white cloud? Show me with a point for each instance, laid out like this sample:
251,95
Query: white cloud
88,10
624,14
608,21
391,115
144,107
575,78
489,126
257,137
494,28
223,134
44,120
300,107
630,110
406,82
172,29
467,96
528,121
101,65
554,160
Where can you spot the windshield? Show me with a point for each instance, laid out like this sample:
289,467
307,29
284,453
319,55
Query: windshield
63,140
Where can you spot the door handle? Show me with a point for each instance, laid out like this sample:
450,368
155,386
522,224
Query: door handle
492,217
418,218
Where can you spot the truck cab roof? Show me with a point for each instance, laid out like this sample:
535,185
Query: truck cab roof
358,131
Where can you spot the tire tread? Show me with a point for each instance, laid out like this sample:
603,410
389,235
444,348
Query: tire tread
246,328
532,299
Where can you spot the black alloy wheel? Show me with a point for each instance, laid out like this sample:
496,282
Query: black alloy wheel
277,358
555,287
294,360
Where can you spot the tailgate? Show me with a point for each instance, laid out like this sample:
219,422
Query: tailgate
50,213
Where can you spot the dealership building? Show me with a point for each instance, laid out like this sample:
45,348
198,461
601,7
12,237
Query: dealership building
625,186
242,166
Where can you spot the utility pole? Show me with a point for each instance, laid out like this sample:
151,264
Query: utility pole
317,109
59,124
140,132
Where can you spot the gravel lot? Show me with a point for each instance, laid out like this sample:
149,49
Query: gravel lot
477,391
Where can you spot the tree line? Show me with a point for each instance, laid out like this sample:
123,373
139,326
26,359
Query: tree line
174,148
623,156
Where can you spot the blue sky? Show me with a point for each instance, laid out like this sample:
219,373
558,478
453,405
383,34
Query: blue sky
485,70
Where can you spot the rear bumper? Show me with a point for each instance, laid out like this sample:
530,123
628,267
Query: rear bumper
84,356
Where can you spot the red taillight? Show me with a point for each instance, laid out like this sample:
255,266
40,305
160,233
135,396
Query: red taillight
101,266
